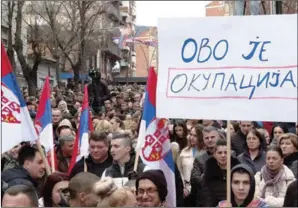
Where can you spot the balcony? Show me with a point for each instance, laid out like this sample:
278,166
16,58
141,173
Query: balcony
112,49
112,11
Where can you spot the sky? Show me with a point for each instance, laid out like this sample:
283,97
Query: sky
148,12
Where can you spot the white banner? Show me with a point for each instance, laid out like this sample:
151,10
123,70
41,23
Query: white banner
228,68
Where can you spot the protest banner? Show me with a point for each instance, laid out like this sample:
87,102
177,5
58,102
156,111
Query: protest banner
228,68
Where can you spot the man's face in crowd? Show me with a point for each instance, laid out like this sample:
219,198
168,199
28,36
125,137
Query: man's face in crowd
147,194
210,138
137,98
36,167
56,116
124,106
77,105
245,126
108,105
31,107
136,106
240,185
20,200
221,155
67,148
118,149
98,149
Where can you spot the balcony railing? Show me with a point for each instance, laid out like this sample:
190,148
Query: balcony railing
112,11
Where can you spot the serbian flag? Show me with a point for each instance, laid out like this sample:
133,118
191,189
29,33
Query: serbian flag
154,144
43,119
16,123
81,145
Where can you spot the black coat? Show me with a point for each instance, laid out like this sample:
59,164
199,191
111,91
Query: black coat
92,167
238,141
17,176
214,183
291,199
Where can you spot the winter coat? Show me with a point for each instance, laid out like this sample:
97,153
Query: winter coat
257,163
238,141
291,162
214,183
291,199
114,171
185,164
92,167
286,179
17,176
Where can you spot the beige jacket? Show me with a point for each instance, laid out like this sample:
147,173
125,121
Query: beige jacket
185,165
286,179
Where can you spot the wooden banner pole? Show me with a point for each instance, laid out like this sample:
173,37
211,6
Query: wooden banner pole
228,163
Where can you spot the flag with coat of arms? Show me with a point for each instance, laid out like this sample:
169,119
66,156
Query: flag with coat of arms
16,123
154,144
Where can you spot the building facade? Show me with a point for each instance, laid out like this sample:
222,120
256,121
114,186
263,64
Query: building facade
146,54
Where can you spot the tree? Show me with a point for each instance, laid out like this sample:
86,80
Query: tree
29,72
74,24
8,10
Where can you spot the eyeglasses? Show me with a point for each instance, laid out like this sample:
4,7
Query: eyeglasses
149,191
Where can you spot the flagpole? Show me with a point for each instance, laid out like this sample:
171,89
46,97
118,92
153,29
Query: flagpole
53,159
228,162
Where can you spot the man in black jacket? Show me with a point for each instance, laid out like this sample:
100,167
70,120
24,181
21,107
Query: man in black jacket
97,91
124,160
99,158
238,139
30,170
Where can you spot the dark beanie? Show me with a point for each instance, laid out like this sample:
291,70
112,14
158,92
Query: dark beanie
158,178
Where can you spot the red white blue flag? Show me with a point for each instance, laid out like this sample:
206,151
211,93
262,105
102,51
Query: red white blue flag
154,144
16,123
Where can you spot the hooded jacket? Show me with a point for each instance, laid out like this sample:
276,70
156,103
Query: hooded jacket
214,183
249,201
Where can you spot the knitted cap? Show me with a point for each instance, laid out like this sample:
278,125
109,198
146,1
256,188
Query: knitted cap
158,178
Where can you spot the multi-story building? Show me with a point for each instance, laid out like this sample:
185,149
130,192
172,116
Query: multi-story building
216,8
127,66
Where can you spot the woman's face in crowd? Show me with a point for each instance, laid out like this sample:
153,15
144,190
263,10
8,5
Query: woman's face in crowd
179,131
232,130
193,137
277,132
287,147
267,137
273,160
56,198
253,142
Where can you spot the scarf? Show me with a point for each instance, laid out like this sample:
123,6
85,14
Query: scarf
271,179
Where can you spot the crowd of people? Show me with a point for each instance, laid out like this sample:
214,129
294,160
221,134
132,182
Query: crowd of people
264,158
